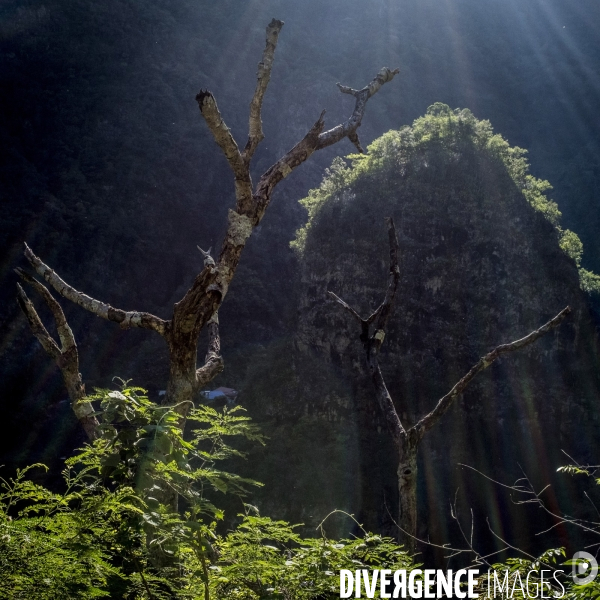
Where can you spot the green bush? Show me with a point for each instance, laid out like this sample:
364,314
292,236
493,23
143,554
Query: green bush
100,537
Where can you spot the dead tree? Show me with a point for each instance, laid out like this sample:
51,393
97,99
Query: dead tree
198,307
407,439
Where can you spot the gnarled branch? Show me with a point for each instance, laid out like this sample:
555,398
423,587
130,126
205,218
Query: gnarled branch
125,319
429,420
66,355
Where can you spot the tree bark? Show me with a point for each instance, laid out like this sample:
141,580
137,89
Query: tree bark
407,440
407,493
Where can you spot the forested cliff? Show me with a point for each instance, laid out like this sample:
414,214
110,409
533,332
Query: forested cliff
480,264
109,174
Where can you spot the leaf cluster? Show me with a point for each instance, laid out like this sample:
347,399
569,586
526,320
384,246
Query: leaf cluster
263,558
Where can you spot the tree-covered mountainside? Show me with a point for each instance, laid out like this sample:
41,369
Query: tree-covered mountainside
483,261
108,172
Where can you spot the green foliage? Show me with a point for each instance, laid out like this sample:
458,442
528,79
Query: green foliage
58,545
267,559
100,536
442,134
143,446
573,470
97,538
522,578
590,282
571,245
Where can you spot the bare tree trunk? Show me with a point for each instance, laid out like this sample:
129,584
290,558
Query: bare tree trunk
198,308
407,493
407,440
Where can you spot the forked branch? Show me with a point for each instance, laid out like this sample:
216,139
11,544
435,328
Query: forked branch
65,355
210,287
372,343
407,439
255,132
348,128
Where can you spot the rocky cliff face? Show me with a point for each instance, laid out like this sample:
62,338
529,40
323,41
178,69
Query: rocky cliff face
479,267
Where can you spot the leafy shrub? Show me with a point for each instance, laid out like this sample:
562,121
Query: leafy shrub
99,538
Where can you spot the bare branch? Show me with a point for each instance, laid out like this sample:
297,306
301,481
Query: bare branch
347,90
534,498
65,334
353,137
286,164
346,306
66,357
36,325
384,311
533,558
208,259
372,343
348,128
382,77
207,372
125,319
256,135
429,420
299,153
221,133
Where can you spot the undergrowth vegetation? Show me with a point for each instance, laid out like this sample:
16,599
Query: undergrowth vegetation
97,538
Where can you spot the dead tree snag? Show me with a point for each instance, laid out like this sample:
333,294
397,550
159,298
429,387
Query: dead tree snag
406,439
198,307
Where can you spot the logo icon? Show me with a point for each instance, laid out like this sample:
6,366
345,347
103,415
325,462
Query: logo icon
585,568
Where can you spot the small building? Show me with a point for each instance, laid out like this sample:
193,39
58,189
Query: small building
221,393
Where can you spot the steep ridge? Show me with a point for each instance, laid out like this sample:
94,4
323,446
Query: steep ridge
479,266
